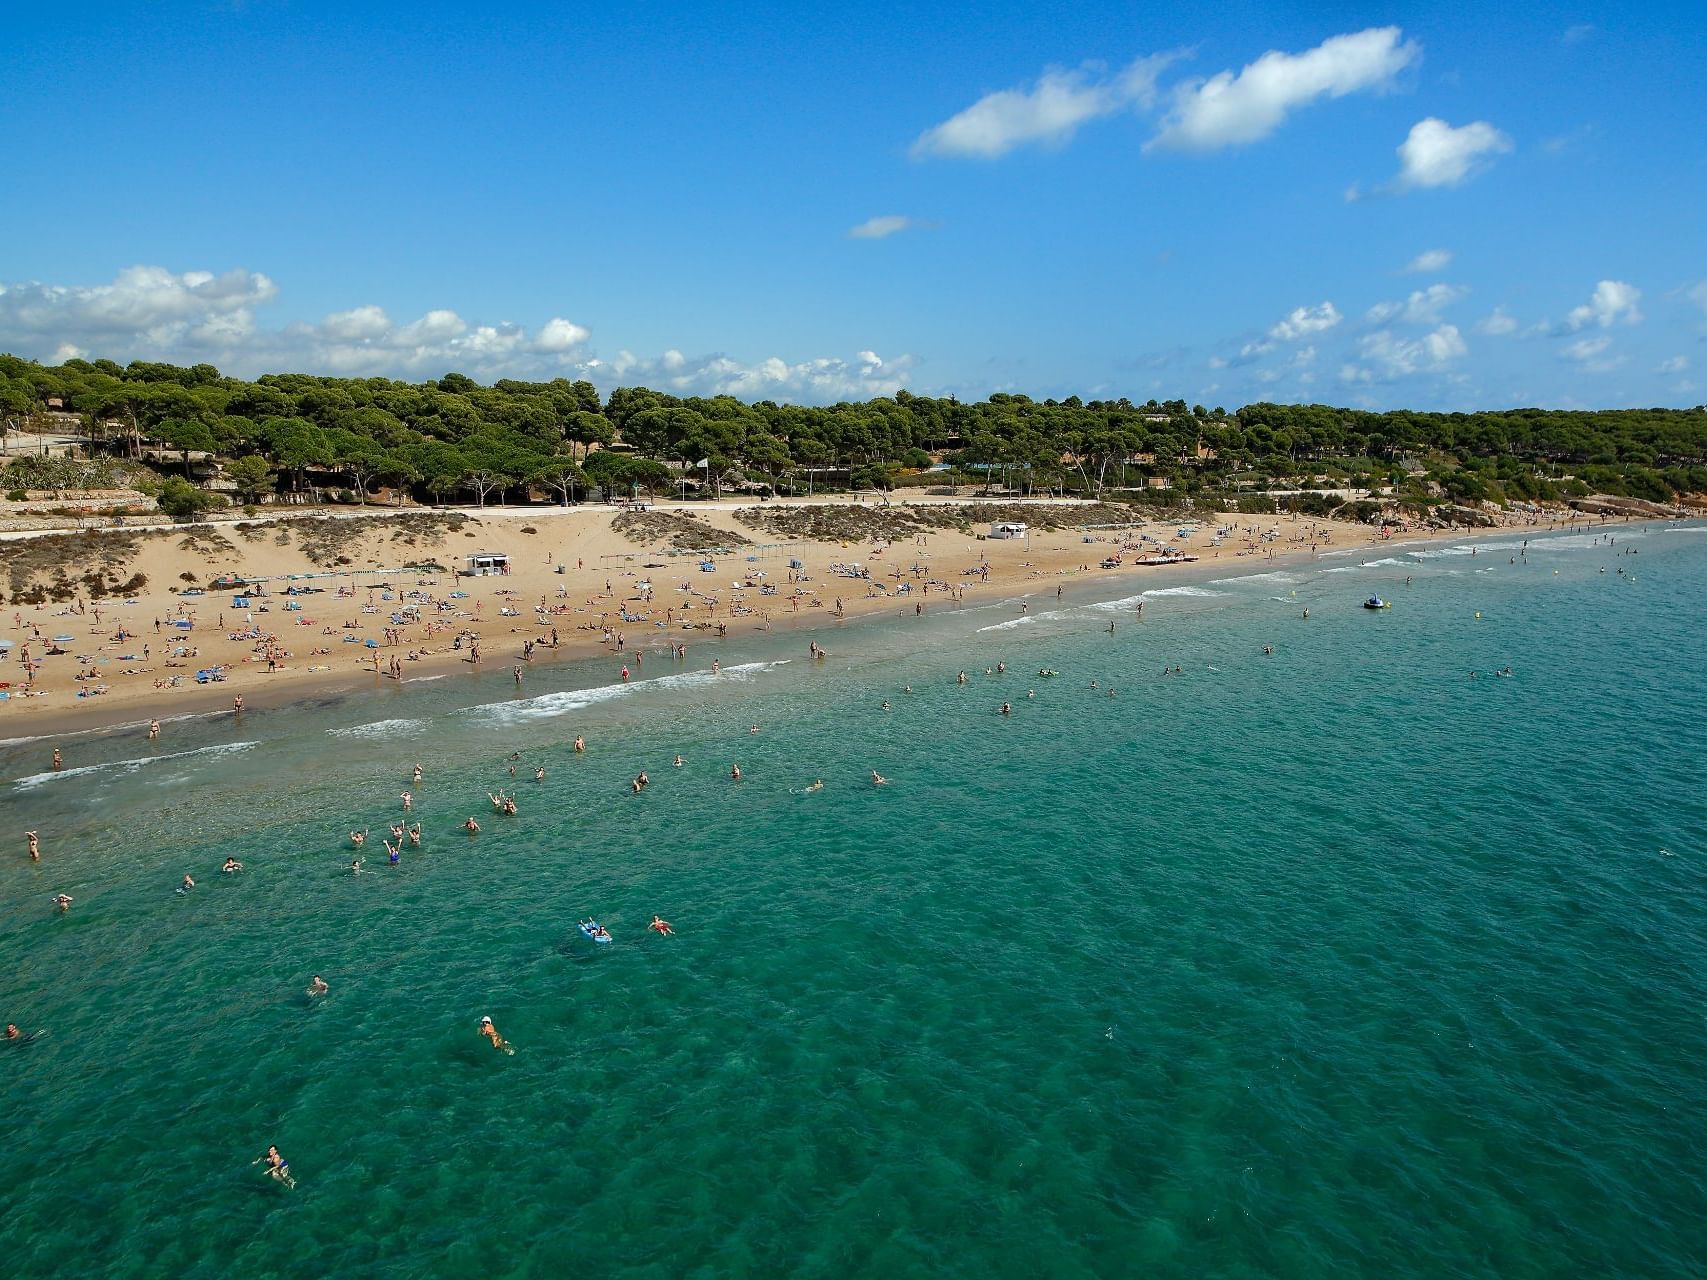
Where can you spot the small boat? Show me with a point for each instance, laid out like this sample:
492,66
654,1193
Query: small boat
594,930
1376,602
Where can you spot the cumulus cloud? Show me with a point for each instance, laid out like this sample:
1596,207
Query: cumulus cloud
1397,357
882,227
1677,364
1497,324
150,313
1613,302
818,381
1233,108
1697,294
1049,111
1428,262
1422,307
1434,154
150,301
1305,320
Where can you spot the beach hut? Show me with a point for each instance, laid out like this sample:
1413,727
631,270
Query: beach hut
487,564
1008,529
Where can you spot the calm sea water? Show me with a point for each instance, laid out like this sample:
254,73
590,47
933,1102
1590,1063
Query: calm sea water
1330,962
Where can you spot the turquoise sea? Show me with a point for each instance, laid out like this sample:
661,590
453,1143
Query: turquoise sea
1329,962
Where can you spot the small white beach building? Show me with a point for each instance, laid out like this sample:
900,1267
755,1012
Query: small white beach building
1008,529
487,564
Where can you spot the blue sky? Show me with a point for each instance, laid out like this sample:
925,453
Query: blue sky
1385,206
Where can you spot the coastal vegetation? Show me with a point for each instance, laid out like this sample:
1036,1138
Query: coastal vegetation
192,438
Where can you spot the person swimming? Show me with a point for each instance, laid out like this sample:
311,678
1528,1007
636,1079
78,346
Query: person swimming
580,743
358,838
277,1166
877,779
471,826
415,775
539,774
640,782
63,901
816,786
415,836
356,867
678,761
35,846
188,884
491,1033
661,925
1006,710
231,864
735,772
317,986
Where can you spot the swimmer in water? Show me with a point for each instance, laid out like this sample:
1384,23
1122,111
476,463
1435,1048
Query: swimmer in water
356,867
317,986
153,730
1031,693
358,838
415,836
188,883
877,779
1001,668
1006,710
735,772
885,704
63,901
393,852
491,1033
408,802
961,678
580,744
539,774
640,781
471,826
35,846
231,864
12,1032
816,786
661,925
57,762
753,729
415,775
277,1166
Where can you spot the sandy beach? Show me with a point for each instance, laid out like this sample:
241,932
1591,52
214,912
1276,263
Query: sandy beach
318,605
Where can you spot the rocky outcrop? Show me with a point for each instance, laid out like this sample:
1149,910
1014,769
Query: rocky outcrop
1602,504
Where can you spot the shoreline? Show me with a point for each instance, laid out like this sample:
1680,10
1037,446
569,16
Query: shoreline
292,685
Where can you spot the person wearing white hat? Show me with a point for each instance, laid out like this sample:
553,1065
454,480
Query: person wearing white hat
491,1033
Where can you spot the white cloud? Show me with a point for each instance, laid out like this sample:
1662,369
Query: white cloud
152,314
1229,109
1049,111
1677,364
1428,262
1400,357
1498,323
882,227
1613,301
1305,320
140,300
558,334
1422,307
357,325
1698,294
1591,354
1434,154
